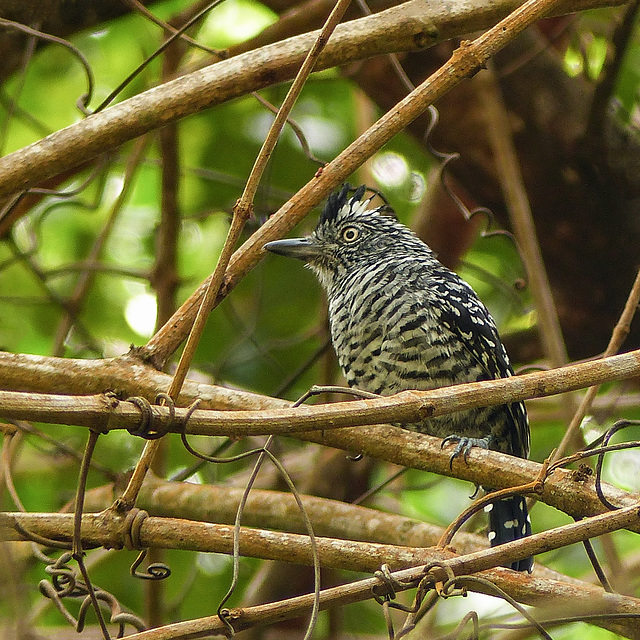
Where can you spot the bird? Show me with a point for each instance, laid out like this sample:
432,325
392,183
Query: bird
400,320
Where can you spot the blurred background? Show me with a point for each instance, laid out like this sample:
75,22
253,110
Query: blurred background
99,257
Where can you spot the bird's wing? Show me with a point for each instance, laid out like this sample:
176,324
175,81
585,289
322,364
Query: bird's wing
462,313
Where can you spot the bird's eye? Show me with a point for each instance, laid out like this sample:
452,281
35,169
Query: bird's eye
350,234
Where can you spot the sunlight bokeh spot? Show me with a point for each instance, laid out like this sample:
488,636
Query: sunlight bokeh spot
390,169
234,21
140,314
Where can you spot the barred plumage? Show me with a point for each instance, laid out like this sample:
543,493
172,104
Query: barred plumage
401,320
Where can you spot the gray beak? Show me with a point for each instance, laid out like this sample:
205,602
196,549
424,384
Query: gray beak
301,248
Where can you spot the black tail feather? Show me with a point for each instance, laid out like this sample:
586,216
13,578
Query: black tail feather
508,521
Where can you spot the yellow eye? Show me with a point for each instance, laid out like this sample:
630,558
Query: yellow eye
350,234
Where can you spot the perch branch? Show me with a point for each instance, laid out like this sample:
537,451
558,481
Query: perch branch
105,413
403,447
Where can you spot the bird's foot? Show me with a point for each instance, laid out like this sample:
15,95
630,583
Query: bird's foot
464,445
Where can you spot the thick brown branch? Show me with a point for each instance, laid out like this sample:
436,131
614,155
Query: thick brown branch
398,29
125,375
107,529
107,413
280,511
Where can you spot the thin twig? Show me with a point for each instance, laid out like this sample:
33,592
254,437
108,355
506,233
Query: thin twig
7,451
165,281
136,5
77,530
83,100
264,453
86,278
465,61
177,33
241,213
51,293
512,185
65,449
12,105
244,206
620,333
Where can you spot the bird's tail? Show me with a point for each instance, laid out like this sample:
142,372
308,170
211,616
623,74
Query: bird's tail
508,521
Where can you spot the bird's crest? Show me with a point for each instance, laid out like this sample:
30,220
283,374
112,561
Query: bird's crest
339,199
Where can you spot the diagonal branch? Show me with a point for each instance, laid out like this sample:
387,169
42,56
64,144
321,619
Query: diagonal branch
470,57
409,27
400,28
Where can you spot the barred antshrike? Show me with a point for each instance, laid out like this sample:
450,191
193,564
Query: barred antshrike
401,320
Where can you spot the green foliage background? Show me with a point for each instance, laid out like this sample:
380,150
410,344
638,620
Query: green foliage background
271,324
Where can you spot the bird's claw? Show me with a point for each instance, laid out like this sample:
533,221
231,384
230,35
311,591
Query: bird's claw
464,445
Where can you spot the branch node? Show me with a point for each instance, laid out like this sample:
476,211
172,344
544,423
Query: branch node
426,37
132,527
242,209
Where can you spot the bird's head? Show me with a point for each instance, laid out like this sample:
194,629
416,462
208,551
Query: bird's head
349,236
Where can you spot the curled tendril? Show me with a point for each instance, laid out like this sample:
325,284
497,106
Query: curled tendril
155,571
118,616
316,390
150,427
66,584
63,577
85,98
132,528
618,426
447,158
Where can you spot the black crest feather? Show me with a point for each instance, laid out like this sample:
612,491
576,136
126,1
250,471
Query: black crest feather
339,199
334,203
